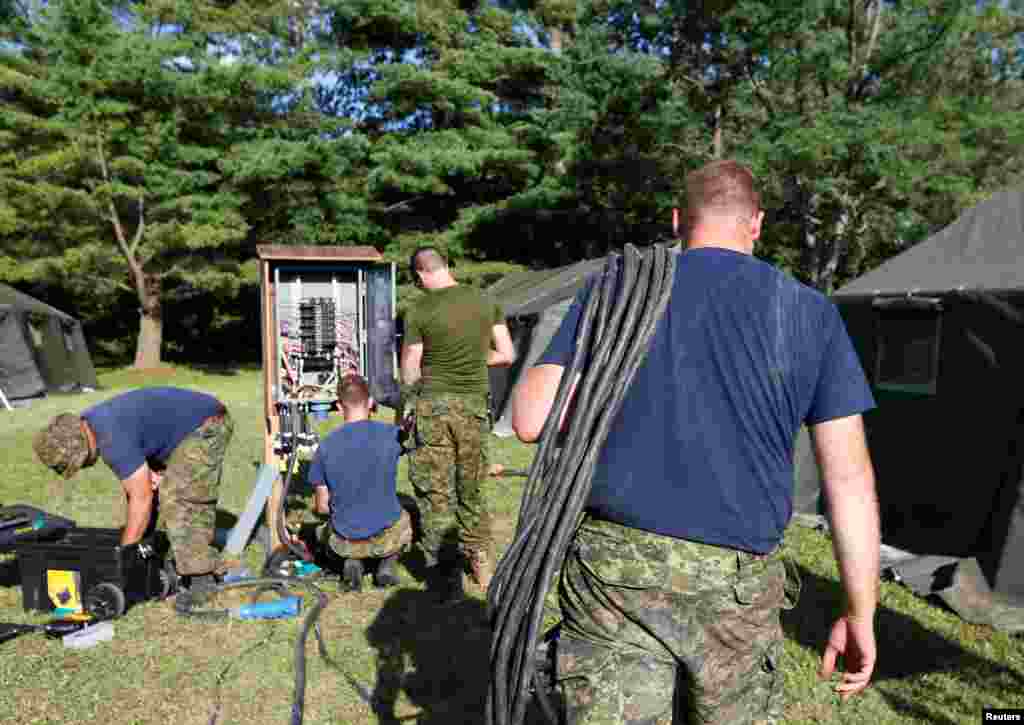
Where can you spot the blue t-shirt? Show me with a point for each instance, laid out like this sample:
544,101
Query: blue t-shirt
146,425
358,463
702,448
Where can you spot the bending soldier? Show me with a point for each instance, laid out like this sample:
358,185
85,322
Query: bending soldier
161,441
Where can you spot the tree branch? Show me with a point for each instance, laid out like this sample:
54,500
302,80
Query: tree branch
851,32
931,43
138,275
400,205
760,92
115,219
141,225
859,73
876,24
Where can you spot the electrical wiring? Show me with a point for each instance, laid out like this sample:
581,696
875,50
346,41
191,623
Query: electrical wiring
622,310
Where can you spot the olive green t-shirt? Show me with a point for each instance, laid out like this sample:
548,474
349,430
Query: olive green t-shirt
455,326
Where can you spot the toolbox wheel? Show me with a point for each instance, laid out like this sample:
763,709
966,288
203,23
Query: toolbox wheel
170,571
168,582
105,601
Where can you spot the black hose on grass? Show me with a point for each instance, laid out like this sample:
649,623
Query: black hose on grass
279,584
617,322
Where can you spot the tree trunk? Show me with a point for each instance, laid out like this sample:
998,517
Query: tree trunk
815,247
823,246
151,323
717,147
556,39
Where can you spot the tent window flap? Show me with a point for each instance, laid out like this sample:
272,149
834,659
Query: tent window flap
907,344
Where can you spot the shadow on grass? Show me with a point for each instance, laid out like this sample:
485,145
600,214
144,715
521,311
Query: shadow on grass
433,652
906,648
436,655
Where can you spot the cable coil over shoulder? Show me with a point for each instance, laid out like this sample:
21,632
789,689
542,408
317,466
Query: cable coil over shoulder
624,306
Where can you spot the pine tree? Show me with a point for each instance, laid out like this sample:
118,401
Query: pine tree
113,139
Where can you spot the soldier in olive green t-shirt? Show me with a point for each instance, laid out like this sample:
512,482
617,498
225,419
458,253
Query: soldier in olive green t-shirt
447,349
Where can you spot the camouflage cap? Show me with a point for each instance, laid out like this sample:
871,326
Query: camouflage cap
62,445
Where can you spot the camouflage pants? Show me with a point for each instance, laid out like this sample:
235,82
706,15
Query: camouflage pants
658,630
448,471
188,495
392,540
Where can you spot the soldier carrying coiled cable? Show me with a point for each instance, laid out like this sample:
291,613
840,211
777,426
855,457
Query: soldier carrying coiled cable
686,378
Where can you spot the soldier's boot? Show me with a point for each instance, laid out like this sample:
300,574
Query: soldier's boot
481,568
352,575
201,589
386,576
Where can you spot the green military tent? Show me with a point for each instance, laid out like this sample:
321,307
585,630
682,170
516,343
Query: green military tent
534,303
42,349
940,332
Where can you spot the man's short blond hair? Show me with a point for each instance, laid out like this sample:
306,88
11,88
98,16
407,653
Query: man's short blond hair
353,391
721,188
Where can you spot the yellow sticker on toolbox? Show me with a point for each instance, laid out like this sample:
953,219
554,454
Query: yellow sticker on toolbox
64,589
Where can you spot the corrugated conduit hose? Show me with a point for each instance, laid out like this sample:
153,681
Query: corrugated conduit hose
618,320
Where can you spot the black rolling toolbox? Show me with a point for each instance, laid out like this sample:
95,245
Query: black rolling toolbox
108,577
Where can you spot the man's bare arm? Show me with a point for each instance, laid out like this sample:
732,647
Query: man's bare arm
848,481
849,484
139,489
504,352
322,500
533,399
412,357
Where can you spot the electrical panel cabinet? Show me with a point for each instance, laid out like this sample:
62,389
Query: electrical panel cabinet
326,312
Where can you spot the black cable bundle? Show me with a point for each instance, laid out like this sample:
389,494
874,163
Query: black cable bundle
614,333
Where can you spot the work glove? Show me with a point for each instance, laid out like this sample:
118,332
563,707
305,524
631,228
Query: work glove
141,551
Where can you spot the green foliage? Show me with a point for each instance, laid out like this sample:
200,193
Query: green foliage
535,132
113,148
860,158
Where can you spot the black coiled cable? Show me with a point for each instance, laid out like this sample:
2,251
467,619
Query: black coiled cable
624,307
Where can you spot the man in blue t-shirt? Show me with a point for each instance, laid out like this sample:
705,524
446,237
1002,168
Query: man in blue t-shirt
162,439
674,575
354,472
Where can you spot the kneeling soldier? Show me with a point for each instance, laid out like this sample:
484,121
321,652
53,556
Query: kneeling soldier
353,472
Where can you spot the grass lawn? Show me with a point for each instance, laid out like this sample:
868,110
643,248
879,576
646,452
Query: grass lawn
423,663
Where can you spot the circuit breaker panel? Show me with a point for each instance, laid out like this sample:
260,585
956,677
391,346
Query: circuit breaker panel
321,331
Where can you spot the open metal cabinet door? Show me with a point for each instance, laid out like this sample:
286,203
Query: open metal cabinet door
381,353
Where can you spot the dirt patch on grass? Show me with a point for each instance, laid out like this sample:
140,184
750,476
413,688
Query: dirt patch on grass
815,712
